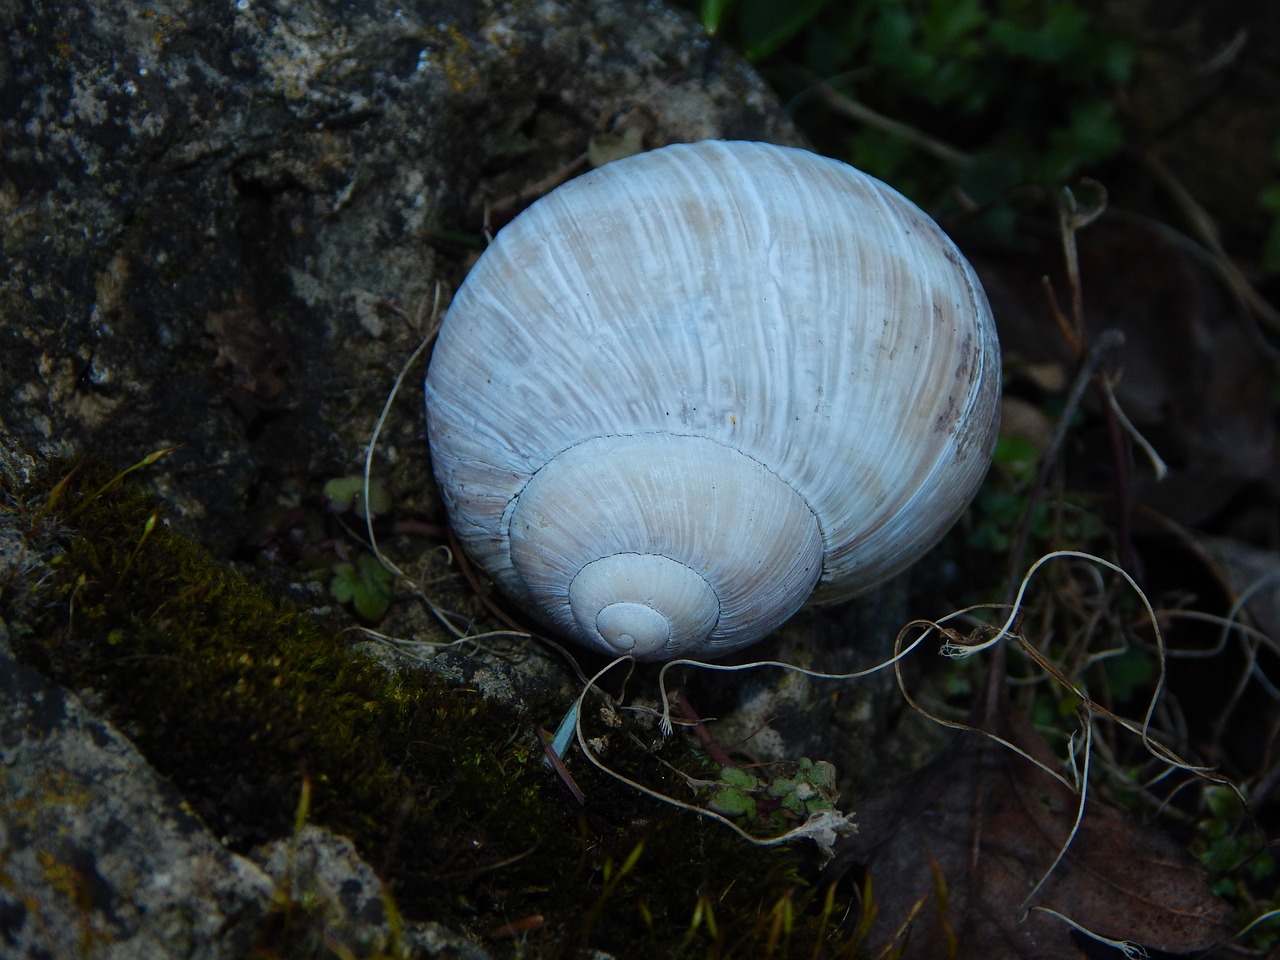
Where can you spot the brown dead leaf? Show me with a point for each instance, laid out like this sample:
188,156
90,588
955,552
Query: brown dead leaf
990,823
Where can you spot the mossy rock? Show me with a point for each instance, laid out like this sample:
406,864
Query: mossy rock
247,704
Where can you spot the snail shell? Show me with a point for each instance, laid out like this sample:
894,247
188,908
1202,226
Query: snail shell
685,392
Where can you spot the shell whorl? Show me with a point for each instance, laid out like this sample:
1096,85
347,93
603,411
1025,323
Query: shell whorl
759,364
643,603
700,534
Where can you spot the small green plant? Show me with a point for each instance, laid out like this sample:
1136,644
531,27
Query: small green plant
365,584
772,804
347,493
1246,868
735,793
1000,511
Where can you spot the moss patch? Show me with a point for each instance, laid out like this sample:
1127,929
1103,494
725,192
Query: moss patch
240,699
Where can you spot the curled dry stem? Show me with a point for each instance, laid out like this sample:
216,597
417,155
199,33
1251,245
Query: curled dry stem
824,827
433,327
756,664
1143,729
1205,228
431,320
1087,710
1079,761
419,350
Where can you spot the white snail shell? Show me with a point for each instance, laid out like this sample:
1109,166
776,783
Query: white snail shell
684,393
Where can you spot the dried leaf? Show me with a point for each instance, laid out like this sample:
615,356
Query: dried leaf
964,841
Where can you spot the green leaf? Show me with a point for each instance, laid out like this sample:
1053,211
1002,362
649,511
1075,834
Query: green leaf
767,24
737,777
1223,803
1059,32
948,22
711,13
1127,672
1092,134
735,795
347,493
811,789
366,585
894,45
1115,57
731,802
1018,454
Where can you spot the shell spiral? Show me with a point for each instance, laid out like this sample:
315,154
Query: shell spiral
686,392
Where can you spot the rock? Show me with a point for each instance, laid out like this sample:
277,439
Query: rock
102,859
334,897
223,225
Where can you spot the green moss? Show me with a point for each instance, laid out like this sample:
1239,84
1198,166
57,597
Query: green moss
239,698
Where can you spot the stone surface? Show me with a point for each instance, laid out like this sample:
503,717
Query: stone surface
101,857
336,898
224,224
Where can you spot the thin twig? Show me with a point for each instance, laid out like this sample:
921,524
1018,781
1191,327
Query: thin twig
860,112
1107,343
558,765
1082,788
1204,227
709,743
537,189
1072,218
1124,487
